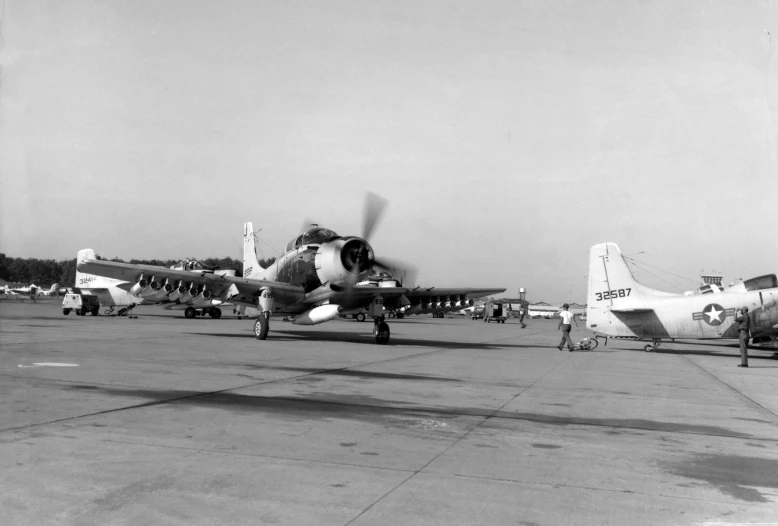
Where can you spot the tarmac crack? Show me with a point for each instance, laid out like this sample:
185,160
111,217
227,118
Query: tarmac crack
454,443
741,393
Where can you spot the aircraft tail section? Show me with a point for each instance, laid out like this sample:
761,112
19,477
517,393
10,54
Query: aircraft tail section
613,288
251,268
89,281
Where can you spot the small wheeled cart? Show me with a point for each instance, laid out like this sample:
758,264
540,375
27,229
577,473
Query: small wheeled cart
496,312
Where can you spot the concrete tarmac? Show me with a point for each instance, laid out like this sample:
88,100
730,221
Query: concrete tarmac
163,420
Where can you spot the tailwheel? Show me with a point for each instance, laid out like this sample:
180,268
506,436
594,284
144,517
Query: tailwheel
382,333
190,312
261,327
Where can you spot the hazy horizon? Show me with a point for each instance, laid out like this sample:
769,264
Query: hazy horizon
508,137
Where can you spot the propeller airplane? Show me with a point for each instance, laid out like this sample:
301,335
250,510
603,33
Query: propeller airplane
620,307
316,279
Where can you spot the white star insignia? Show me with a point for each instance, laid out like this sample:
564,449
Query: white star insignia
714,314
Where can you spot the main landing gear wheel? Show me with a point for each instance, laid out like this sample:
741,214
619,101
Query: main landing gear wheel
216,313
391,314
382,333
652,347
261,327
190,312
360,317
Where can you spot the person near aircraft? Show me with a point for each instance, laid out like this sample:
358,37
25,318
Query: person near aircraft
566,325
524,310
743,327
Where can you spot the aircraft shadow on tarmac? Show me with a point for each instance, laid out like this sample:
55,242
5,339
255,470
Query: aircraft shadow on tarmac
368,339
397,413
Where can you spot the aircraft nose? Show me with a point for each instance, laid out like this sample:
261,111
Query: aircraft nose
357,255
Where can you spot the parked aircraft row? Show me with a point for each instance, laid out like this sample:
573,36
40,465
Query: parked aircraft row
323,275
33,290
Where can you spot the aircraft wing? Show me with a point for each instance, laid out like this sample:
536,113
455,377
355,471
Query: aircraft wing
395,297
632,311
471,293
220,286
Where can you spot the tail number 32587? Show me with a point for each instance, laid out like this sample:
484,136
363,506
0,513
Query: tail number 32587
612,294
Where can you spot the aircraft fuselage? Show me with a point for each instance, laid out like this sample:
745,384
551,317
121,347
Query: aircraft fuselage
698,316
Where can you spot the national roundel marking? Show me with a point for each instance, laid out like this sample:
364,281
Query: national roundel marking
713,314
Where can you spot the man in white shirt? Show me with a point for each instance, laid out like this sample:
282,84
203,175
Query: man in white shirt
566,324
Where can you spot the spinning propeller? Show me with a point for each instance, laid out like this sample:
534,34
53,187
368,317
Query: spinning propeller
375,205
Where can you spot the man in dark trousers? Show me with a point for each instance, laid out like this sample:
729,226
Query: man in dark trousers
566,324
743,328
524,311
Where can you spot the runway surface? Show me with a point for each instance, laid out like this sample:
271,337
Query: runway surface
163,420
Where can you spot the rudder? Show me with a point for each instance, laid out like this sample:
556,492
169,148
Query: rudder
90,281
251,268
612,285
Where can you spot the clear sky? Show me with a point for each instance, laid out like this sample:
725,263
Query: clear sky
508,136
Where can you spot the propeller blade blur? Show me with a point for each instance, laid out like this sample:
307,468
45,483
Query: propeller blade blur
374,210
403,271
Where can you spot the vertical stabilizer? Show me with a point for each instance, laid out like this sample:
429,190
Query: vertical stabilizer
90,281
613,288
251,268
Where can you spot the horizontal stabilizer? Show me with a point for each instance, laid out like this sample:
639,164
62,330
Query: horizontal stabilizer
631,311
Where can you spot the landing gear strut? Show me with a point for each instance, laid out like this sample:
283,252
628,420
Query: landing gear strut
650,347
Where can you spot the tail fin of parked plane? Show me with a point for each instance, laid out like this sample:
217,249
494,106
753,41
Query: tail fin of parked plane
251,268
90,281
613,288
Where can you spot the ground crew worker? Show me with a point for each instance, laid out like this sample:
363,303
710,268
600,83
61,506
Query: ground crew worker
743,328
524,310
566,324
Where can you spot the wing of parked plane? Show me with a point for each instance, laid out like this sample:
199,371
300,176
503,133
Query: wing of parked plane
161,284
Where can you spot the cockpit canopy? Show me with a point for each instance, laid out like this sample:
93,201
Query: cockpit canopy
192,265
314,236
768,281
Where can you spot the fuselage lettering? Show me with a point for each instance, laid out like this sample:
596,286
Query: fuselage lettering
612,294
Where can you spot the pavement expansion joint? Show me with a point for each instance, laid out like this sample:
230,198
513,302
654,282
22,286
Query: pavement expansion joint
739,392
453,443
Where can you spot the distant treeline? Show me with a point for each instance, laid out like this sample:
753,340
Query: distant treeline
49,271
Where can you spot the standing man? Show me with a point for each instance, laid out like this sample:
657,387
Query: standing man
566,324
743,328
524,311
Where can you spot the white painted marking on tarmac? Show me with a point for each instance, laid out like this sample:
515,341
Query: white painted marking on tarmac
49,364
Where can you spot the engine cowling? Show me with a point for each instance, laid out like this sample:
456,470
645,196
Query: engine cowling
152,288
139,286
344,262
